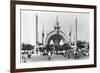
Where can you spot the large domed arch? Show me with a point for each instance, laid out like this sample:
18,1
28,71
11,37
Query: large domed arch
54,35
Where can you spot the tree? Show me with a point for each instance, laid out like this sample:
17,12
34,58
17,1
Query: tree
27,47
80,44
66,47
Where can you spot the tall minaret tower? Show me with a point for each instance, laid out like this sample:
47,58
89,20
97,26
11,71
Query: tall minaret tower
76,33
36,29
36,47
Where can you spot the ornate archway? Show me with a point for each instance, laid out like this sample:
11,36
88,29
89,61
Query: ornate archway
56,35
56,38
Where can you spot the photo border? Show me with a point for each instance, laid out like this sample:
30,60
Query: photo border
13,35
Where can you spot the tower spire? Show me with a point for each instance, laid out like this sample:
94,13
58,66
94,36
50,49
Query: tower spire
57,27
57,21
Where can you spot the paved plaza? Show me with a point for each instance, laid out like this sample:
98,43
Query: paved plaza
52,58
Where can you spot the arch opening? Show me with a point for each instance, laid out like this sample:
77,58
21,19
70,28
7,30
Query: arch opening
56,39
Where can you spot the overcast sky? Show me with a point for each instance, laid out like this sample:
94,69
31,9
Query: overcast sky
48,20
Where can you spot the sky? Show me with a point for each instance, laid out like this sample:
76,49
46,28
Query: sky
47,21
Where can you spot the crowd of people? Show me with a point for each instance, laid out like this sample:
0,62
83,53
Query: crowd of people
49,50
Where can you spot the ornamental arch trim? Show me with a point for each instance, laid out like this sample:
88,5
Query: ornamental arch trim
52,33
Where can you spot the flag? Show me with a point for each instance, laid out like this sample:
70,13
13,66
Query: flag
42,34
70,33
70,30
